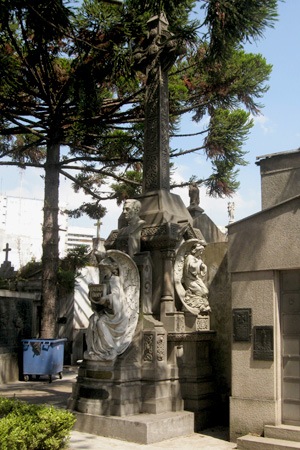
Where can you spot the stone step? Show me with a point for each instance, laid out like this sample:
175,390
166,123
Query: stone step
140,428
287,432
250,442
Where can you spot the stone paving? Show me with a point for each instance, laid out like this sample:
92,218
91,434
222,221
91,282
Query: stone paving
57,393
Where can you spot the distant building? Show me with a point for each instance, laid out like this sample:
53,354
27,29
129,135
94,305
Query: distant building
80,236
21,221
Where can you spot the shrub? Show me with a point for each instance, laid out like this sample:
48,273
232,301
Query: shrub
33,427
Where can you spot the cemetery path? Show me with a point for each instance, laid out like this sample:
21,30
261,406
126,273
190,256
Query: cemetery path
57,394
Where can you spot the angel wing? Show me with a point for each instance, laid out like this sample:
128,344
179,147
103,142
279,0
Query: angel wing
130,281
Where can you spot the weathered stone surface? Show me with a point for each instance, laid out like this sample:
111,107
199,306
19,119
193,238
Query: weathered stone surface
115,303
280,177
142,428
260,443
16,319
264,264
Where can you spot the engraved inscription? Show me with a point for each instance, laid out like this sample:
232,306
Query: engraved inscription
242,324
263,348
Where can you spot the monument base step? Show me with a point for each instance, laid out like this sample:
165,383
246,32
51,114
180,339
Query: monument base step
250,442
287,432
140,428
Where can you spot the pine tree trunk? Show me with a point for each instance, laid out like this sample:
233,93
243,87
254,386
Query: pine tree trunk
50,244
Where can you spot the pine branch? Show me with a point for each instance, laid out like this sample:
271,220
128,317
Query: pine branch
185,152
85,188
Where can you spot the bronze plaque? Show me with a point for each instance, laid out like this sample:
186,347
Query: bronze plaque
263,348
242,324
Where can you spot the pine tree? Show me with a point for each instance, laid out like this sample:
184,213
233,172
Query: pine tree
71,79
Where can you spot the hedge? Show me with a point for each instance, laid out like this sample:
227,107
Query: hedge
25,426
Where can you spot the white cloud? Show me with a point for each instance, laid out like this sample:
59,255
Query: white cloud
264,122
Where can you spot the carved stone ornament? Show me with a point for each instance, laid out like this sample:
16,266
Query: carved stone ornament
160,347
203,323
115,303
189,272
148,347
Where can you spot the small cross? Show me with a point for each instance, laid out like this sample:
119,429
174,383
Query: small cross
98,224
6,250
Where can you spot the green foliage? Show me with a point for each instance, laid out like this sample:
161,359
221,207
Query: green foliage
232,22
75,77
29,269
94,210
76,259
33,427
223,147
75,80
127,190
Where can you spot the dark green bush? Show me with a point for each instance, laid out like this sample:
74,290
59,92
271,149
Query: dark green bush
33,427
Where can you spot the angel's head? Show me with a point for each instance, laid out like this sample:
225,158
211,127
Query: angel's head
108,267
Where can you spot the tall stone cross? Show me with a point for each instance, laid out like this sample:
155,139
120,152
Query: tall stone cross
6,250
159,56
98,225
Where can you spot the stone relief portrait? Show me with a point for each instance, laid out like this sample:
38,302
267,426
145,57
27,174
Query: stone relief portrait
189,274
115,302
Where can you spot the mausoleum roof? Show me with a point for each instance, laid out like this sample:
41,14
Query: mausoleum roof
271,155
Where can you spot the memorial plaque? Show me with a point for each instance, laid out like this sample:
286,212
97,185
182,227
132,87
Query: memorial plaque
242,324
263,348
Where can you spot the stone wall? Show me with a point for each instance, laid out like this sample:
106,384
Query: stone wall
17,322
215,257
260,247
255,388
280,177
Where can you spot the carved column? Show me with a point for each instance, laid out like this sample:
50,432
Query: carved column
167,292
160,58
156,156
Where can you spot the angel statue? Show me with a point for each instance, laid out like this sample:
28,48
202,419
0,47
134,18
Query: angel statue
115,302
194,271
190,272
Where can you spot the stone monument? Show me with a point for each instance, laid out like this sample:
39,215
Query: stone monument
6,269
148,340
194,194
231,211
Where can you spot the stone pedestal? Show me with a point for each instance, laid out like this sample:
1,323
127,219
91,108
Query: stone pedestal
141,428
190,353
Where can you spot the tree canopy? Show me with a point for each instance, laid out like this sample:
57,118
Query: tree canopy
72,94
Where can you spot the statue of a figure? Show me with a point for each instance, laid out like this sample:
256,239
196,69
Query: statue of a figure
115,303
132,231
194,271
194,194
231,210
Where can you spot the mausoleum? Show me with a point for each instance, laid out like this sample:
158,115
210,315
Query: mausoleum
264,262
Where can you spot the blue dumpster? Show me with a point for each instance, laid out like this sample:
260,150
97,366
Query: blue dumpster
43,357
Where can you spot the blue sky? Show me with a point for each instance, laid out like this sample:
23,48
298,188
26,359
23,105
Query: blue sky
277,130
